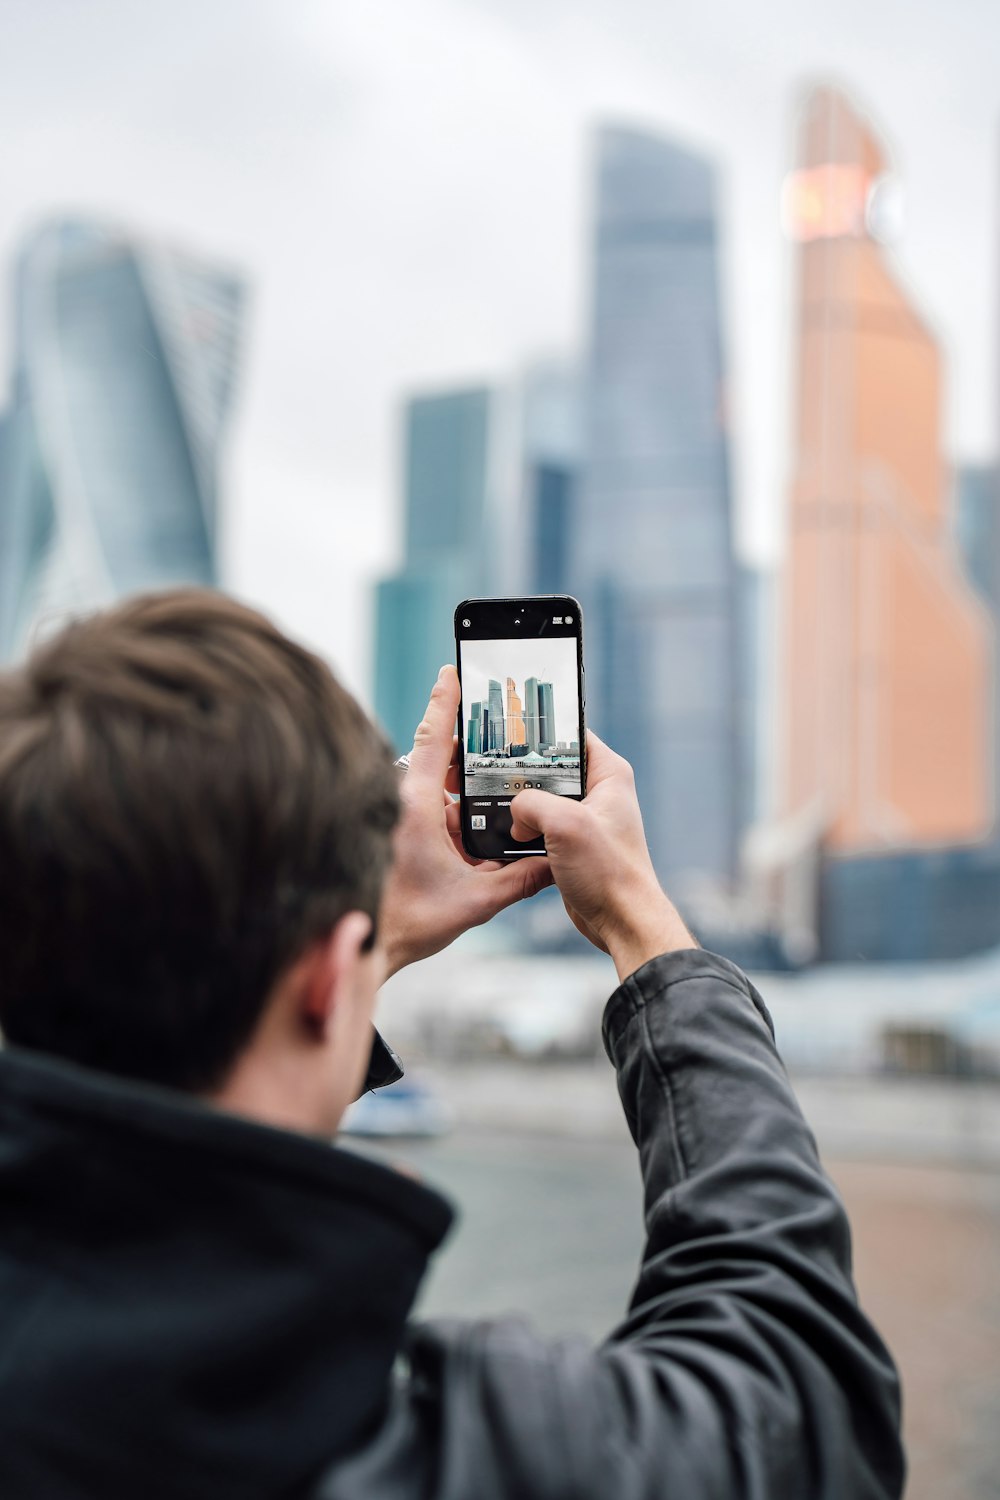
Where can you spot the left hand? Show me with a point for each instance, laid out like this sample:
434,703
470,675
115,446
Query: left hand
435,891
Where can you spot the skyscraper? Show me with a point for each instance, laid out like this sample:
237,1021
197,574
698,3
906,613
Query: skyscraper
552,439
445,484
515,717
652,552
888,654
497,735
473,738
531,712
125,354
546,716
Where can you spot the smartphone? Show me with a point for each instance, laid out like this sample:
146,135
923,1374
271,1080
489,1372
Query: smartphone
521,718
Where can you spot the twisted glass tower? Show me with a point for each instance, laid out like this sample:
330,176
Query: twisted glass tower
124,363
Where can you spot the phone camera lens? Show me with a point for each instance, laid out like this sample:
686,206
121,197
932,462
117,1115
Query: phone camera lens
569,619
466,623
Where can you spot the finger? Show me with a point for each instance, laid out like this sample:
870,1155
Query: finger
545,813
515,881
434,740
602,761
451,781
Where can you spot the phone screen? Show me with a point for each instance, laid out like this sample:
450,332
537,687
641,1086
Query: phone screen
521,722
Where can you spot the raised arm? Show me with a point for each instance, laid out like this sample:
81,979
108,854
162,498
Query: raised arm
743,1368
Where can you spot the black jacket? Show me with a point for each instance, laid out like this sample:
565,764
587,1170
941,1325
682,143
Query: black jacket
196,1306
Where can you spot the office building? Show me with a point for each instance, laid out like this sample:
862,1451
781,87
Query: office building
124,360
888,666
888,661
546,717
516,737
445,467
552,446
473,738
531,712
498,737
652,548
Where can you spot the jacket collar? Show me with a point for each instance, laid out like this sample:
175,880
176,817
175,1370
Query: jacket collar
238,1288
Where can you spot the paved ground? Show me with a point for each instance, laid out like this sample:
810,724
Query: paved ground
551,1227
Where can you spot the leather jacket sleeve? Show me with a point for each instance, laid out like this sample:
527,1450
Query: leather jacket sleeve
744,1367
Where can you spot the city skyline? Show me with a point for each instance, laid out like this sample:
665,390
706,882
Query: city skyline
428,275
517,731
488,665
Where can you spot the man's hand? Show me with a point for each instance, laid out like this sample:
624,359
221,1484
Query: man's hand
435,891
598,854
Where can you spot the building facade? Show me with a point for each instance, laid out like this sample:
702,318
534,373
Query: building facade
888,659
552,446
652,545
446,455
531,712
125,357
473,738
546,717
498,734
516,736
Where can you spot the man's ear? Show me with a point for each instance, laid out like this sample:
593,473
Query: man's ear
330,970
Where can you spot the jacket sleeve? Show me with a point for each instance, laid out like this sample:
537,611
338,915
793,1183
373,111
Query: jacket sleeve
744,1368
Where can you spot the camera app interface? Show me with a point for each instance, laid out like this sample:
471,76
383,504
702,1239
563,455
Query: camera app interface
521,721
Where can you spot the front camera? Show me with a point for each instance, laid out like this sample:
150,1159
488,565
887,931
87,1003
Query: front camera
466,623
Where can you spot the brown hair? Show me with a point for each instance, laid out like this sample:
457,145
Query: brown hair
187,800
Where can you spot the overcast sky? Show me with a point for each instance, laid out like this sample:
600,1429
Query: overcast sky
404,183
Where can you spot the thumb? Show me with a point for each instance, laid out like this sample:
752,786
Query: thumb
545,813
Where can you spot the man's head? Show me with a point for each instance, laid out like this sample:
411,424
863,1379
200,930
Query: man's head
192,811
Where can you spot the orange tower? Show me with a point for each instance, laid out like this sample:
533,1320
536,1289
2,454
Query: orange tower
888,659
516,732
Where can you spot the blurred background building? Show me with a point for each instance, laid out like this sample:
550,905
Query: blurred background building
547,476
125,354
445,486
888,672
651,540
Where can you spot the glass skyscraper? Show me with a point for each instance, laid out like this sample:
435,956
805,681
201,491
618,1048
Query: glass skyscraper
497,735
652,550
531,711
546,717
125,355
445,489
474,737
551,442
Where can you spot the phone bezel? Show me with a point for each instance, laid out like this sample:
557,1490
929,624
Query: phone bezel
500,626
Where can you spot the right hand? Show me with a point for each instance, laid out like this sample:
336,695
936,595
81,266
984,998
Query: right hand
598,854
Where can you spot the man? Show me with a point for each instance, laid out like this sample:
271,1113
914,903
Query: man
200,1296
